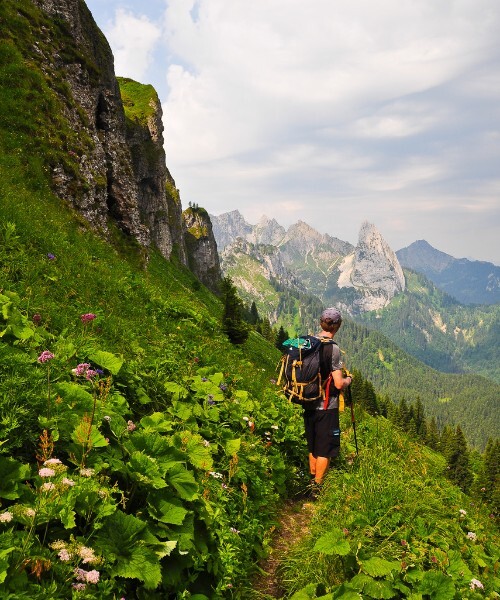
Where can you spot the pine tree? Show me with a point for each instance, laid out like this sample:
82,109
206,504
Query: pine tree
281,336
254,314
233,324
458,467
432,434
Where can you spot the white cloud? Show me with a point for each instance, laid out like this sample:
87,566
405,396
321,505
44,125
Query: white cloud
133,40
390,108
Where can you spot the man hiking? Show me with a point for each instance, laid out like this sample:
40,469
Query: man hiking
321,417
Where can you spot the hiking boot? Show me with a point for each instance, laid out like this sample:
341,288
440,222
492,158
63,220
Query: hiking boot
314,490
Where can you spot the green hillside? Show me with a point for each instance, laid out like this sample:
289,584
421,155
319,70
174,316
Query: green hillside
438,330
142,455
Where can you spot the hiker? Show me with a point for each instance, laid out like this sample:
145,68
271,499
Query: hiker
321,418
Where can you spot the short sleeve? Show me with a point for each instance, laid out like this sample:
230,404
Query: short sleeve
337,364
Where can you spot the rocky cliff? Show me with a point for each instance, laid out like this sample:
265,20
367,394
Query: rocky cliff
117,172
201,248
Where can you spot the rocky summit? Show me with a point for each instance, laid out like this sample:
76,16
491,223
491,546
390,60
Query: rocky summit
357,278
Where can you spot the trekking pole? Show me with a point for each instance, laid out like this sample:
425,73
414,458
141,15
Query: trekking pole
353,420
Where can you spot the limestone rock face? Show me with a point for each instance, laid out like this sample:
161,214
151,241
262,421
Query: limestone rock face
229,226
373,270
201,248
106,187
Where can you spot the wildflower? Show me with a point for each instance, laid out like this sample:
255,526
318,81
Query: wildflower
131,425
48,486
251,424
483,489
79,587
471,535
476,584
67,481
37,318
196,359
80,369
58,545
92,576
224,486
52,461
90,374
345,531
107,418
6,517
210,400
86,472
274,427
64,555
273,381
29,512
204,379
404,543
233,530
50,256
215,475
45,356
45,472
462,512
87,317
268,433
223,387
206,443
87,554
434,559
246,419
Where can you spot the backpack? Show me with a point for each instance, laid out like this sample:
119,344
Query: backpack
304,371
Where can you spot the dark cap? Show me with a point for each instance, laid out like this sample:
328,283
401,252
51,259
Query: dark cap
331,315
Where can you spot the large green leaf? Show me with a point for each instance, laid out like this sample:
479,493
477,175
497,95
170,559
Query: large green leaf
379,588
184,482
437,585
145,470
141,563
156,422
12,474
379,567
194,446
75,395
333,542
106,360
233,446
156,446
93,438
178,391
164,507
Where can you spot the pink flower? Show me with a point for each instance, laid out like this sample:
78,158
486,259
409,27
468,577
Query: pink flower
45,356
67,481
87,576
79,587
80,369
87,317
476,584
37,318
48,486
64,555
52,461
87,554
5,517
86,472
93,576
131,425
45,472
90,374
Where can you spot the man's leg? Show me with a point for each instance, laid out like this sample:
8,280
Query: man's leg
321,463
312,464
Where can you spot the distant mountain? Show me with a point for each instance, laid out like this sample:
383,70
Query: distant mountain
469,281
357,279
291,273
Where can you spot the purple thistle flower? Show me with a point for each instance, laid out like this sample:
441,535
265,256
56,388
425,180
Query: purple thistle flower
223,387
45,356
50,256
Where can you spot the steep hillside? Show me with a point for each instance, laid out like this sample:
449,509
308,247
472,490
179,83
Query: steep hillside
469,281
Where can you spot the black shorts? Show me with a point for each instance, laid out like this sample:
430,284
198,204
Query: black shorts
322,432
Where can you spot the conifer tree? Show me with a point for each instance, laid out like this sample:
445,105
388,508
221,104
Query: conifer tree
254,314
432,434
233,324
458,467
281,336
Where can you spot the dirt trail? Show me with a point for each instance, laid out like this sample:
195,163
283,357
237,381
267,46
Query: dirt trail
294,525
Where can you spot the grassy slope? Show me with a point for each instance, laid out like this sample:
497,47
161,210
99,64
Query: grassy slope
389,525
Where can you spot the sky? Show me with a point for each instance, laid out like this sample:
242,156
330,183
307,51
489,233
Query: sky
333,112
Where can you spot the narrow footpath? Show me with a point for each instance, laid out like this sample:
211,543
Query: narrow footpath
294,525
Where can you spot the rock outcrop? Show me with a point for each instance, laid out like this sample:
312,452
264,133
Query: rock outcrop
201,248
373,270
117,172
